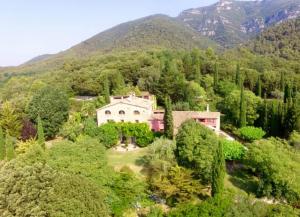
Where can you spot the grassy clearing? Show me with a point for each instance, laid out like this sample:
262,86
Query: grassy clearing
117,160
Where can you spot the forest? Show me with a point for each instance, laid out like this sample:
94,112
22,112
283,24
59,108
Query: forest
56,161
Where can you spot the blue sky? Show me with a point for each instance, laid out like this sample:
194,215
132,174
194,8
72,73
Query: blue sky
32,27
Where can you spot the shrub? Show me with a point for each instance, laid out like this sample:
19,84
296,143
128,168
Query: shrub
108,135
72,128
295,140
251,134
23,146
233,150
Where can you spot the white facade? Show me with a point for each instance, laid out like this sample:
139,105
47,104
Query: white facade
126,109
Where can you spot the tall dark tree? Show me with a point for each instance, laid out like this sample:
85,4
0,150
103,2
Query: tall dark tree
40,132
106,92
266,117
10,149
218,171
282,80
168,119
291,119
243,107
188,66
258,87
2,145
216,76
287,93
196,72
238,75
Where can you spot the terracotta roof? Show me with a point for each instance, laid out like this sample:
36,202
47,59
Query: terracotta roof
181,116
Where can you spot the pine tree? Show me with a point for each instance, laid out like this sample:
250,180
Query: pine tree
40,132
238,75
168,118
2,145
106,92
258,87
218,171
216,77
243,112
10,149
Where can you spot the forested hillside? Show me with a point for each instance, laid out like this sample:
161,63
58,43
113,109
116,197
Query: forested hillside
56,161
282,40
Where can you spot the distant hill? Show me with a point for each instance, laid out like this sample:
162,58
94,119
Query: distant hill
157,31
38,58
282,40
231,22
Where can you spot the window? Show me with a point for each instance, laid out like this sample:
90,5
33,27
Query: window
107,112
110,121
136,112
122,121
122,112
137,121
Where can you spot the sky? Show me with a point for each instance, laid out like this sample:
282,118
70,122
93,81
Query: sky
29,28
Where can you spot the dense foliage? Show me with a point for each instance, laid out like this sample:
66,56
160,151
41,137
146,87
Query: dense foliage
277,166
233,150
251,133
52,106
196,145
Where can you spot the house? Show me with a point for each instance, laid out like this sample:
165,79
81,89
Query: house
142,109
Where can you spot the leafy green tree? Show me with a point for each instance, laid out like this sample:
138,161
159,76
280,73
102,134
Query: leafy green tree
10,148
218,171
10,120
243,112
188,66
2,145
48,191
195,147
52,105
177,185
168,118
40,133
230,106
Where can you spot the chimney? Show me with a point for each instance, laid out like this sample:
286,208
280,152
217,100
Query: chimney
207,108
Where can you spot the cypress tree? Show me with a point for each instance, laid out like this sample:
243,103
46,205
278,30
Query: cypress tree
188,66
265,120
168,119
258,87
106,92
282,81
287,93
2,145
243,112
218,171
291,119
238,75
216,77
40,132
10,149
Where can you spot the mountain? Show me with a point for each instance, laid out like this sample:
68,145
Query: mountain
282,40
231,22
157,31
38,58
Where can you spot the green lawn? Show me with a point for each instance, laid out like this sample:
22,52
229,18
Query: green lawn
131,159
